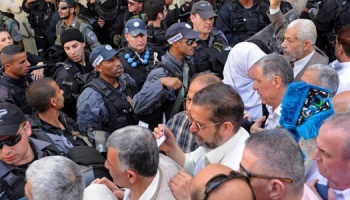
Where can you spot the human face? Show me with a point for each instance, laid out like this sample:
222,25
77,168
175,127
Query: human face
19,66
310,77
112,164
58,95
264,87
186,46
329,156
208,136
249,162
134,6
202,25
110,68
5,39
20,153
138,43
64,11
194,88
75,51
337,49
292,46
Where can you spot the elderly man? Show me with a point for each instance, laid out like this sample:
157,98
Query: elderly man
332,157
17,151
274,163
322,76
299,40
272,75
220,182
134,163
342,53
64,177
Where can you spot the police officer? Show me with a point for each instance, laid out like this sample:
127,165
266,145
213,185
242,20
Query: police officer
17,151
212,48
156,12
105,103
15,79
7,20
163,84
76,65
137,55
40,14
332,15
240,19
66,11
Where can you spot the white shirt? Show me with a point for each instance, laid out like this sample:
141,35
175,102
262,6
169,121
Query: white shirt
274,117
228,154
343,70
148,193
300,64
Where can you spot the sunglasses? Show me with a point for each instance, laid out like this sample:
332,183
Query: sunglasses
13,140
63,7
217,180
189,42
251,175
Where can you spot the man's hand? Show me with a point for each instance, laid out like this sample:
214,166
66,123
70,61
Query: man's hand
180,184
39,73
115,189
274,4
173,83
312,184
169,142
256,127
246,116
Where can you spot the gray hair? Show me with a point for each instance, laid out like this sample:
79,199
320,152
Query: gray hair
279,155
341,122
137,149
55,177
306,29
327,77
276,65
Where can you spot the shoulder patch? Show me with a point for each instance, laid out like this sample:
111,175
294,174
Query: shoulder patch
91,35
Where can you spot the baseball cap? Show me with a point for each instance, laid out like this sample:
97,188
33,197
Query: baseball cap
70,3
101,53
180,30
11,118
203,9
135,27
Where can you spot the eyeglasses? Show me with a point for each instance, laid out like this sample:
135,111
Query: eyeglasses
189,42
13,140
202,126
63,7
251,175
132,3
222,178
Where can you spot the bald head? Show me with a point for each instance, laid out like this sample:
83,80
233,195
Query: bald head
235,187
341,102
205,79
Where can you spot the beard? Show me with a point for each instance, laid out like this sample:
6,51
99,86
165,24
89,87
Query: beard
210,145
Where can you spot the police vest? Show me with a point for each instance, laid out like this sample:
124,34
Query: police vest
137,68
119,109
7,21
343,14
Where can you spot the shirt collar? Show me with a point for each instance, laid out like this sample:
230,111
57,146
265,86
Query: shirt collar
300,64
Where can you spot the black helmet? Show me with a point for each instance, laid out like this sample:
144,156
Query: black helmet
109,9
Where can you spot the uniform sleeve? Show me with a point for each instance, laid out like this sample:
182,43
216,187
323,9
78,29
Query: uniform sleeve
91,38
14,30
152,94
223,22
91,110
6,96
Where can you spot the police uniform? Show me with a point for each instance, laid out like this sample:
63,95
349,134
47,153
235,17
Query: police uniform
90,37
239,23
11,26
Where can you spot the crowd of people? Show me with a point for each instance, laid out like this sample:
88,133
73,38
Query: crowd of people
134,100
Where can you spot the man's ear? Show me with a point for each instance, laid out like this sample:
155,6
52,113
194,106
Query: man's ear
98,68
277,82
28,128
227,128
276,189
307,45
132,176
160,15
192,17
